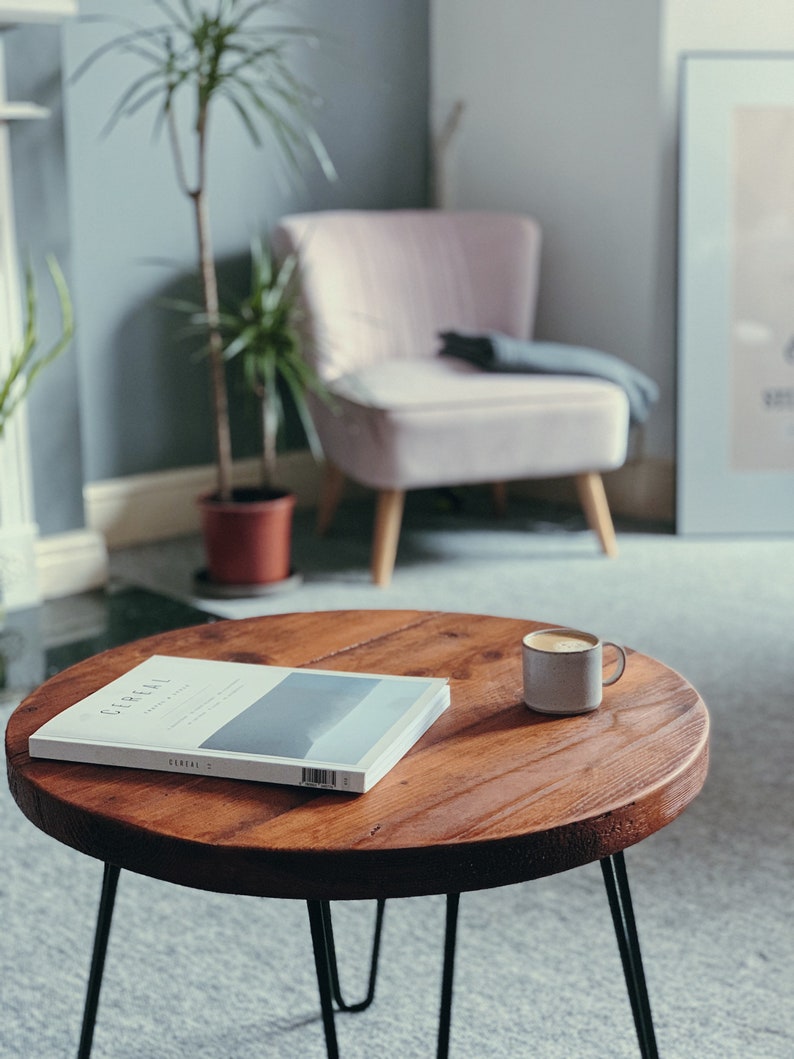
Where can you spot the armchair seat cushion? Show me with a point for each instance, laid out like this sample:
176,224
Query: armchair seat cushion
417,422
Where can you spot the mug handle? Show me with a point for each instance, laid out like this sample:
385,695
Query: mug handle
620,665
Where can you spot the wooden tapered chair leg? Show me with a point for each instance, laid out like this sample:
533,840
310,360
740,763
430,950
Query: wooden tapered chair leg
388,519
593,499
333,485
499,498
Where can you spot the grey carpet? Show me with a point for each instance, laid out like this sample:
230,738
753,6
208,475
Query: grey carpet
200,975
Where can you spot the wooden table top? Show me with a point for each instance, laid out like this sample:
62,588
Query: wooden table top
492,794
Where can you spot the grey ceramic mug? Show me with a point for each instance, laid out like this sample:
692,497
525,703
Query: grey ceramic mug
563,670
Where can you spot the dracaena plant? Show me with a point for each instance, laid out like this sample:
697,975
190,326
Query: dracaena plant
261,333
212,51
28,361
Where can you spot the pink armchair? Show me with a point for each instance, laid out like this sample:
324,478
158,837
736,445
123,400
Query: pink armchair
378,288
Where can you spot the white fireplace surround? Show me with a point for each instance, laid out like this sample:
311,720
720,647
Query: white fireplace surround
13,12
29,568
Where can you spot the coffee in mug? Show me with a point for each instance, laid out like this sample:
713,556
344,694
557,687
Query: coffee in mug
563,670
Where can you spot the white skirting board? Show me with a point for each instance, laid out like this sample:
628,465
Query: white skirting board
642,489
142,508
162,505
69,563
158,506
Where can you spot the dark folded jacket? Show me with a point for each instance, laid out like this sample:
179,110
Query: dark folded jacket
497,352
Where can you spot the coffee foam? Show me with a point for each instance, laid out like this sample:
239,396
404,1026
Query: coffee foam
561,642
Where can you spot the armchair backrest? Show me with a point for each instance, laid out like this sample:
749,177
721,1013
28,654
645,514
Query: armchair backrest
383,284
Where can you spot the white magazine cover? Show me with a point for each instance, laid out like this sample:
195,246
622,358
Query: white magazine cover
305,727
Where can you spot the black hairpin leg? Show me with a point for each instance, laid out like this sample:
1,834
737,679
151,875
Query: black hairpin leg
445,1014
104,917
362,1005
327,969
322,965
616,881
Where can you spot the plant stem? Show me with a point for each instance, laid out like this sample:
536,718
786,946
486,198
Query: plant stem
269,439
209,283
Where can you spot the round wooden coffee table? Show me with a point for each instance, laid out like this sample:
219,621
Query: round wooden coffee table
492,794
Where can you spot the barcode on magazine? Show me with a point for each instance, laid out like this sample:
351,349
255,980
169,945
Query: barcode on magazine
318,777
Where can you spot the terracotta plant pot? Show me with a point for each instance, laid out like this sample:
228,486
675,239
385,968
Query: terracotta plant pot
248,540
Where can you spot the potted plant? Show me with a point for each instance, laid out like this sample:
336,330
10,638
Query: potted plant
26,363
261,334
213,50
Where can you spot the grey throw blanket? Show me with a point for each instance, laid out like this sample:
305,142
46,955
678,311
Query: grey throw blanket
497,352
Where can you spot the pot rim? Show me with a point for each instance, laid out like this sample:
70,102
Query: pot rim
269,497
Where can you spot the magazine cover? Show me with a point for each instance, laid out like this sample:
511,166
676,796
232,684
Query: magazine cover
305,727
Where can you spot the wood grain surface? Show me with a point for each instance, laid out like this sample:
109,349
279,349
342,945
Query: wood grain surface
492,794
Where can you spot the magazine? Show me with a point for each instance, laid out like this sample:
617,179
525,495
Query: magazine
304,727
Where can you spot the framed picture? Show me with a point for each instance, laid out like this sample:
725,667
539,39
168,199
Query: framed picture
735,445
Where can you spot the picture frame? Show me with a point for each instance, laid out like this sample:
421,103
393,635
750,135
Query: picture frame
735,429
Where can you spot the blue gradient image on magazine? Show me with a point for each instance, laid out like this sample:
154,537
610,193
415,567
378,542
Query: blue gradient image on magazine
318,716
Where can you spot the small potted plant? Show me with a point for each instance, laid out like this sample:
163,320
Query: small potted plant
213,50
27,362
261,334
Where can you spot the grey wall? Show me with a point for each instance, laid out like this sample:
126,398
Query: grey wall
131,398
571,115
562,122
